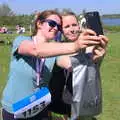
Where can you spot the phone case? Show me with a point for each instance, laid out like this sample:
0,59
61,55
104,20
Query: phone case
93,22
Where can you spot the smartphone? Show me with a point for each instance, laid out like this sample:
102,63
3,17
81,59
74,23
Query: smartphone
93,22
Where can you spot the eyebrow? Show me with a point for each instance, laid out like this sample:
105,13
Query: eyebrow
67,26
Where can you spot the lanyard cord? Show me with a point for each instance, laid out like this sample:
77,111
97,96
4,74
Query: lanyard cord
39,67
66,73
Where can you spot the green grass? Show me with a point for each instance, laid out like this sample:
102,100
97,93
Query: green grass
110,80
110,72
4,63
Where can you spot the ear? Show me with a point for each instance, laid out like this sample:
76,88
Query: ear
38,24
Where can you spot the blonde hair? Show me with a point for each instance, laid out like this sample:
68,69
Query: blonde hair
68,13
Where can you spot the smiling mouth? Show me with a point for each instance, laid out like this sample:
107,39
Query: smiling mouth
73,34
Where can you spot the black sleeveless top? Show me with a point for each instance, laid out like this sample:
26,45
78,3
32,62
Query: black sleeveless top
56,86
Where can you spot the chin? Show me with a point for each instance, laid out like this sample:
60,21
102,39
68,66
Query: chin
72,39
51,38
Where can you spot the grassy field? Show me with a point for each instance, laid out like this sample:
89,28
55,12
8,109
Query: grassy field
111,80
110,75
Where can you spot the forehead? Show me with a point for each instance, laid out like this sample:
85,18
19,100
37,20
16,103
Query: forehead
69,19
55,18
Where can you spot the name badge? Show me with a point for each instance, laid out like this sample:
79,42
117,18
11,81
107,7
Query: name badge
33,104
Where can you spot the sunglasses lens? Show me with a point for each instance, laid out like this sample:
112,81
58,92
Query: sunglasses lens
53,24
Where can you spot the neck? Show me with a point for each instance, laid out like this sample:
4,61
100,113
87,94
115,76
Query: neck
39,37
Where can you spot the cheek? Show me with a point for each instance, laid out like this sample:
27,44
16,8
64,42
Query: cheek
78,28
45,30
45,27
65,31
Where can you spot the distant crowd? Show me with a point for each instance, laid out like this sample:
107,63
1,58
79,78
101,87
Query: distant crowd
3,29
19,30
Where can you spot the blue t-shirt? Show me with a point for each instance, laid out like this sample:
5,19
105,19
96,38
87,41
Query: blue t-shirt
22,76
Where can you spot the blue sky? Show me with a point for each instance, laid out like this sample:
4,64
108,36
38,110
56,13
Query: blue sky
29,6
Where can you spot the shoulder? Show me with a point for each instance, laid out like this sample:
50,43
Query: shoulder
21,38
18,40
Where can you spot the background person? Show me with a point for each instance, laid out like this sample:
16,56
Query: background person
25,76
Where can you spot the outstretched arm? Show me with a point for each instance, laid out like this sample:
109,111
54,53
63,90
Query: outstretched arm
47,49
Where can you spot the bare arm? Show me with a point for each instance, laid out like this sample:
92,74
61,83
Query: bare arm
48,49
64,62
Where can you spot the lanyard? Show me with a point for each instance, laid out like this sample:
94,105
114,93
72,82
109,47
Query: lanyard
66,73
39,67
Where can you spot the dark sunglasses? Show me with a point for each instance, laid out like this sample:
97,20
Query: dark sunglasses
52,23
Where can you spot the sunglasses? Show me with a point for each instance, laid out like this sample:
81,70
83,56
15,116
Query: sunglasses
52,23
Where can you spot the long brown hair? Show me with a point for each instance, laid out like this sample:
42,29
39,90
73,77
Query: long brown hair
41,16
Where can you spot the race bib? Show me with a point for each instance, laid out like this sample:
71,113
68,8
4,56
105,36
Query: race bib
33,104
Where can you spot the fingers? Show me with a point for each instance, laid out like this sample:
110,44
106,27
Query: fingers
104,41
88,32
98,53
90,35
89,40
104,38
86,43
92,38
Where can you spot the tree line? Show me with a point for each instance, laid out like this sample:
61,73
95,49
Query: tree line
23,20
10,19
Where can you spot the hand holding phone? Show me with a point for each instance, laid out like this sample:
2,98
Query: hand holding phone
93,22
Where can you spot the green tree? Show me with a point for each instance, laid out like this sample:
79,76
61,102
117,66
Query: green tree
5,10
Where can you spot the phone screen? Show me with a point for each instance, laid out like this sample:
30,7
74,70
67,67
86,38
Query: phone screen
93,22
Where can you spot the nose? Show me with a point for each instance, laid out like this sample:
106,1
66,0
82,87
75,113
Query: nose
72,31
